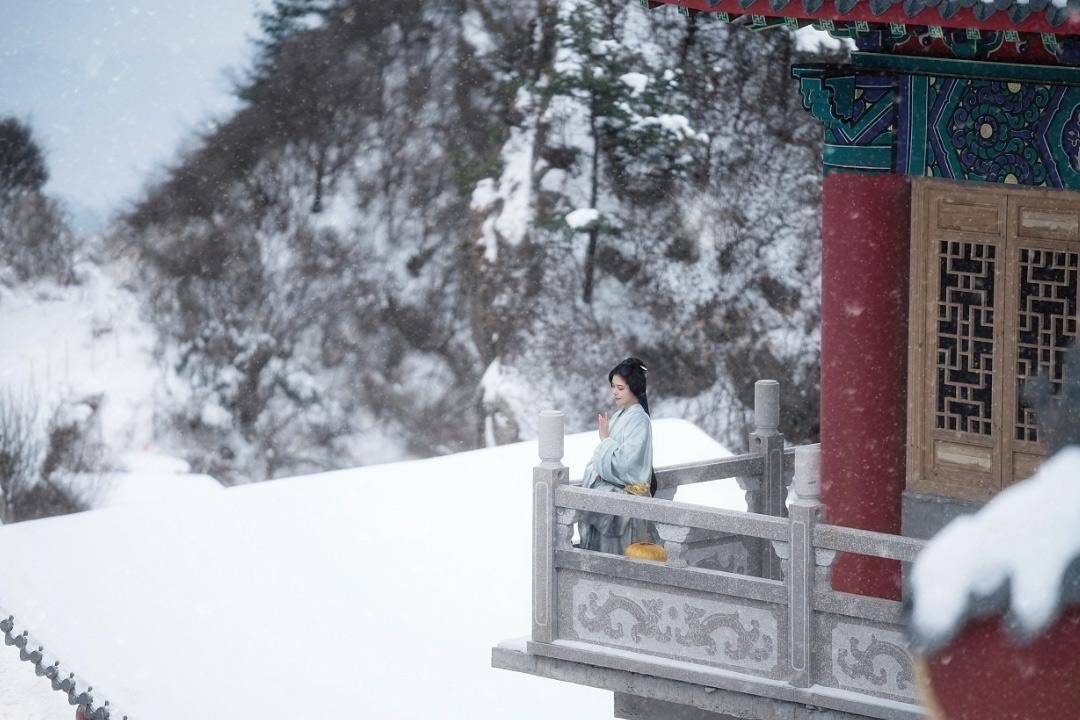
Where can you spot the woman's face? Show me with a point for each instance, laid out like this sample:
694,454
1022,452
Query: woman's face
620,392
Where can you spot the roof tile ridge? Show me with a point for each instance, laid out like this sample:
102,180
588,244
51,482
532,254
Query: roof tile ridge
91,705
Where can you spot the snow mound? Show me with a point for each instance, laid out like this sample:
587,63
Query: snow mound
1020,545
377,591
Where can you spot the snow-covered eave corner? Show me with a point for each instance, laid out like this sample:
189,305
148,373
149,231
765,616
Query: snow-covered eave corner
80,693
1018,557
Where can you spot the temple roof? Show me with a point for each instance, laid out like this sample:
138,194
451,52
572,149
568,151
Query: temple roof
368,592
1061,17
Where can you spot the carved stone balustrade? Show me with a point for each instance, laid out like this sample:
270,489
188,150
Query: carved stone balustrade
707,549
711,634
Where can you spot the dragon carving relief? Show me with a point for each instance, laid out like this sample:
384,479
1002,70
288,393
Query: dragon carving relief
861,663
749,643
701,629
597,618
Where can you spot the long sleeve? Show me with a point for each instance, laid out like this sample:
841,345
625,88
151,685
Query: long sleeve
625,457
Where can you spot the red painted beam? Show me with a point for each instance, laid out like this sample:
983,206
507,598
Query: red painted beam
964,18
865,229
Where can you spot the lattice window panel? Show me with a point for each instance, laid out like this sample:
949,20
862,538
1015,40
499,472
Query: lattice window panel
1047,290
995,288
965,336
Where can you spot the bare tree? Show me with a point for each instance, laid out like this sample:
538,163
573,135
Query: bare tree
35,240
22,164
44,470
20,451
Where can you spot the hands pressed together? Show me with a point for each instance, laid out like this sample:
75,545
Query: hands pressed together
640,489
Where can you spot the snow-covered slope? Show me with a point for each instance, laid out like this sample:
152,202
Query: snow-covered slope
376,592
69,343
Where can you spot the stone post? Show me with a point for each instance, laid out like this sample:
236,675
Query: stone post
767,496
805,512
547,476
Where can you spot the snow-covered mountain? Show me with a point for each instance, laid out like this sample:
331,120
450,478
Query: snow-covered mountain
475,209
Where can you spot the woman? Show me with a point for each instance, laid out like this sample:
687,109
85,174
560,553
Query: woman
622,462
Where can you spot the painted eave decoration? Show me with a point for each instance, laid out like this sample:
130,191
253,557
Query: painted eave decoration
898,17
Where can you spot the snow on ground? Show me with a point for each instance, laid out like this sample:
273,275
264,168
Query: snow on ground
374,592
80,341
86,344
976,555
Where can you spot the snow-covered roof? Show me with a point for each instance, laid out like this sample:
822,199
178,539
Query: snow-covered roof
144,477
376,592
1018,556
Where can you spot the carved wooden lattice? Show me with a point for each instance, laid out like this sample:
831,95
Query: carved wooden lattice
1048,291
965,334
995,295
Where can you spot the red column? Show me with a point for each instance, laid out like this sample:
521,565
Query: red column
865,240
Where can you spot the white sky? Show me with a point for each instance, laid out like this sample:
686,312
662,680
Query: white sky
113,88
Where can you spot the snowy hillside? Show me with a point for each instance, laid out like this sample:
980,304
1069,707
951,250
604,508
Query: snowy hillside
83,355
376,592
77,343
577,182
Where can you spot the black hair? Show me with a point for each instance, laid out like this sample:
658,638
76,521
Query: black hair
634,372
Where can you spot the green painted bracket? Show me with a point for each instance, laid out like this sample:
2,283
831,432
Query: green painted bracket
830,96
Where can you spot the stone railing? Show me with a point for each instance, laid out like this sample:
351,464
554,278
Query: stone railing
763,473
790,638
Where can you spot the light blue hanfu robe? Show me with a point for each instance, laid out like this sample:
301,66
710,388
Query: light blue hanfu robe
623,458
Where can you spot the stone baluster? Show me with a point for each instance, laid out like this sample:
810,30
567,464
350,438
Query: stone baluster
676,540
823,560
549,528
805,511
564,527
